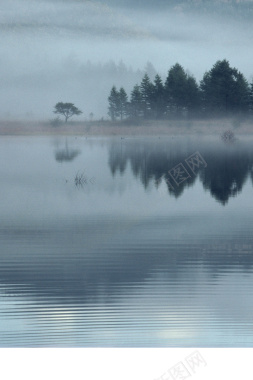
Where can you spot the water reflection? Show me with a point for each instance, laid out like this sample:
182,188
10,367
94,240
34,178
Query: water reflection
66,153
115,265
227,170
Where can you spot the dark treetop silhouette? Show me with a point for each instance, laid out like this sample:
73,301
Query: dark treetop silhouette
66,109
223,91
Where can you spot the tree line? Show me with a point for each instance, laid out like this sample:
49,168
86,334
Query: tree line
223,91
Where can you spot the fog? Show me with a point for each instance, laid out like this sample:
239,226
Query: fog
74,51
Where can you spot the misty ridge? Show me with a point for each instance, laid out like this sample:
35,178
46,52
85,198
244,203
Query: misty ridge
79,81
74,51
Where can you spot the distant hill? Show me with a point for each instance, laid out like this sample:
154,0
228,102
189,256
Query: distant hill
154,3
242,9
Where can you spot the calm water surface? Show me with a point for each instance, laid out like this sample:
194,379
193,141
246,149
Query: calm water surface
122,258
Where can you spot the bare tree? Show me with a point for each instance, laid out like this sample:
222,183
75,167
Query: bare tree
66,109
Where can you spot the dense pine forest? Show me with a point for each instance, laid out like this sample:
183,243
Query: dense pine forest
222,92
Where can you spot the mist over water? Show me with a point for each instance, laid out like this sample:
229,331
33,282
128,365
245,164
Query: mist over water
45,47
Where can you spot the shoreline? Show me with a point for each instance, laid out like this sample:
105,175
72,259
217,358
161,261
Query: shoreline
149,128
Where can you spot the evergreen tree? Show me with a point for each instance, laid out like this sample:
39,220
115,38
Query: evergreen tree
150,70
241,100
123,103
224,90
114,104
251,98
146,95
158,104
135,107
176,90
192,96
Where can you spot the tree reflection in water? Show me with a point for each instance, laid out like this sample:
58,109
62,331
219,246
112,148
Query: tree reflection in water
66,154
228,166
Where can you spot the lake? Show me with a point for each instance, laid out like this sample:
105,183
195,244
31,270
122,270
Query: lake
126,242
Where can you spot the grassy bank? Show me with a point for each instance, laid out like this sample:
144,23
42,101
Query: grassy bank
108,128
